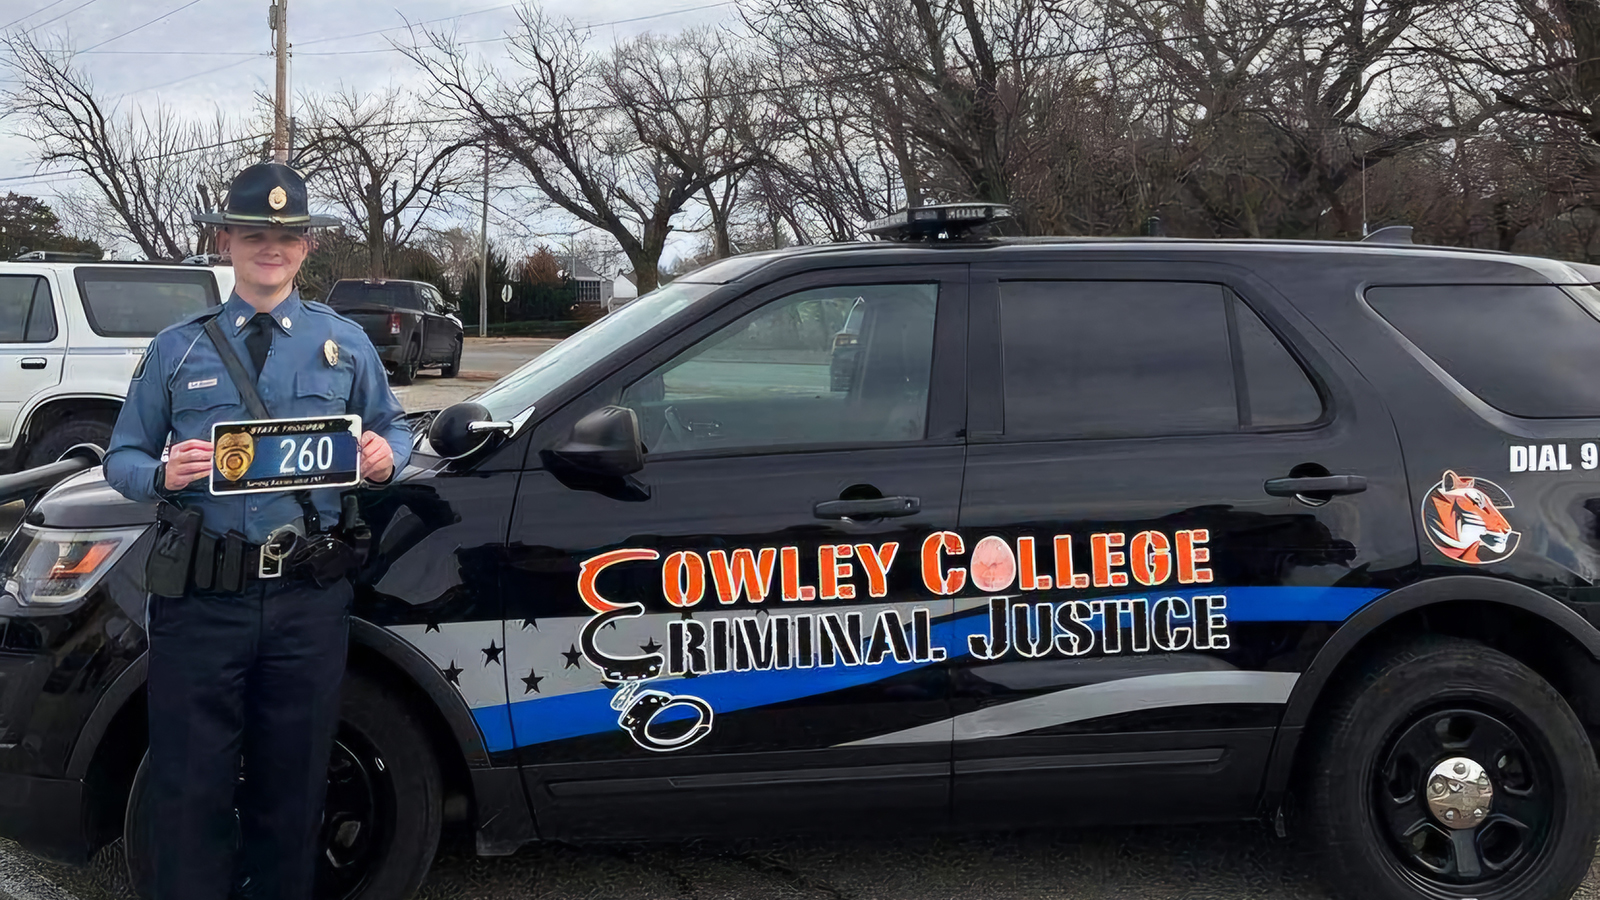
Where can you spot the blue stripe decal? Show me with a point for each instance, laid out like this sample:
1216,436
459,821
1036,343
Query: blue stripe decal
542,719
1285,604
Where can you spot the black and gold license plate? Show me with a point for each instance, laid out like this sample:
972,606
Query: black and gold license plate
285,454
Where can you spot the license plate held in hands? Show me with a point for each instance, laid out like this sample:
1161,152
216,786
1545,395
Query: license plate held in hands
285,454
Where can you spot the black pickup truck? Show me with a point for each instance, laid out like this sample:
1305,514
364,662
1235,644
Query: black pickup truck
410,323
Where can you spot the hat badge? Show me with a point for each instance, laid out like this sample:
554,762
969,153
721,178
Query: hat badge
277,199
330,352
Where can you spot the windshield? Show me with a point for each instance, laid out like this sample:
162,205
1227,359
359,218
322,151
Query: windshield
524,387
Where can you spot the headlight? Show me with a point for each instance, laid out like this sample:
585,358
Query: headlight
45,568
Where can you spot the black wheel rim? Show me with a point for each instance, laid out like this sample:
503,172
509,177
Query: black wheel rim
1509,840
355,818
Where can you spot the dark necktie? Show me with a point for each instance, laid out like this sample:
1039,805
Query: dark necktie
259,340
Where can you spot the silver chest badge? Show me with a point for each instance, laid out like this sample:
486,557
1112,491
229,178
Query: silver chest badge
330,352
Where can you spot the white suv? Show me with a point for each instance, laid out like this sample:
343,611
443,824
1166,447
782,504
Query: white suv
71,334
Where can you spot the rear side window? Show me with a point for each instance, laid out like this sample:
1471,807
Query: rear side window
1273,389
351,294
27,316
140,302
1528,350
1131,359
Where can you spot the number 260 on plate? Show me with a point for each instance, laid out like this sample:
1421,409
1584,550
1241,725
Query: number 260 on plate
285,454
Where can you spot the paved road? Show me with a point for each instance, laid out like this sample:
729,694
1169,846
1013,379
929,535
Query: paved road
1154,863
1222,862
483,360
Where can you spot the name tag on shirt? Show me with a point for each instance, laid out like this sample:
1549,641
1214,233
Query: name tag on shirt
285,454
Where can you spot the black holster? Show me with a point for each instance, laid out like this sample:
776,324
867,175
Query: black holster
166,570
325,559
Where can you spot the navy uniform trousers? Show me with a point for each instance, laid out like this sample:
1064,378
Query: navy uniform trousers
252,676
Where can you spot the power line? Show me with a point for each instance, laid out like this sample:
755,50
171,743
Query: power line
172,52
57,18
145,25
742,92
476,12
660,15
174,81
32,14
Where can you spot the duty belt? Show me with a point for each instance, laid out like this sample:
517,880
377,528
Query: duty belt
228,562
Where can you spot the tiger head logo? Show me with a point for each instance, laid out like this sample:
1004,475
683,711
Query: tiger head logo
1464,519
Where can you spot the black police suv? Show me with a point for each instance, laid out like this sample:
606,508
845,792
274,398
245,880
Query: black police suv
1091,531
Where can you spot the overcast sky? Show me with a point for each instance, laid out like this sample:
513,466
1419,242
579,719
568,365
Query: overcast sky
209,53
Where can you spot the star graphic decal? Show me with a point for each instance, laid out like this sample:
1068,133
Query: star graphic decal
650,647
431,626
530,623
452,674
572,655
491,653
530,683
611,624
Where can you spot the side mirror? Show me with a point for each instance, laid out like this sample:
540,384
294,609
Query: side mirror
462,429
604,442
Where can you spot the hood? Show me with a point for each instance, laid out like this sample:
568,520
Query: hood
86,501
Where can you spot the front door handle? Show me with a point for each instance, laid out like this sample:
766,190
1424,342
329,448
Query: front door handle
34,362
876,508
1313,486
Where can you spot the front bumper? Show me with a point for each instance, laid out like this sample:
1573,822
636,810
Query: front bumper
44,815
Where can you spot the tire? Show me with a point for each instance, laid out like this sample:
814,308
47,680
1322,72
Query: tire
453,368
67,433
405,371
382,777
1392,728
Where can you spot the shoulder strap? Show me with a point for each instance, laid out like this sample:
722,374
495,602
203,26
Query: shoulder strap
252,402
237,371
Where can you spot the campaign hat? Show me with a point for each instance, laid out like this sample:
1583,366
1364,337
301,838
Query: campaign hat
266,195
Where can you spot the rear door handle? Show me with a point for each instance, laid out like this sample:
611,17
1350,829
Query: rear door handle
34,362
1319,484
877,508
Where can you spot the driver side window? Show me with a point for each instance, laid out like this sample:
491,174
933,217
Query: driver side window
836,365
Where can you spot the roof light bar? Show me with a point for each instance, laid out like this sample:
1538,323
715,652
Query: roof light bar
945,221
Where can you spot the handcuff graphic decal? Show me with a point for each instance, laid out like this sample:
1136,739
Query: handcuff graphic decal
638,707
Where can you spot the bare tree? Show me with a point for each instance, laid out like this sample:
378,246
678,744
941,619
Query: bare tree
455,248
150,169
688,98
554,115
1272,109
380,165
953,92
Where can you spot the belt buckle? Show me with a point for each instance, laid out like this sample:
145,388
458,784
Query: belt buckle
270,557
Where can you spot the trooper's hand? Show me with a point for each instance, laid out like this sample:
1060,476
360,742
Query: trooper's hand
377,459
188,461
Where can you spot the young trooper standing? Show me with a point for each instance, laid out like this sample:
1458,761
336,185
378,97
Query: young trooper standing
247,662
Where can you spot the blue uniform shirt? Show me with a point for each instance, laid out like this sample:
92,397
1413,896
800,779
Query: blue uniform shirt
182,388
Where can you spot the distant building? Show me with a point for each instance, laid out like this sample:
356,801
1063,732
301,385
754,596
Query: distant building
624,288
592,286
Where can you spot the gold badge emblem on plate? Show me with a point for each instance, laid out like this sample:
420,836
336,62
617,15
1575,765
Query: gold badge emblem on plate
277,199
330,352
235,451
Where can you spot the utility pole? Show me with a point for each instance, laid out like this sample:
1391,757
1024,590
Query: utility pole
278,21
483,258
